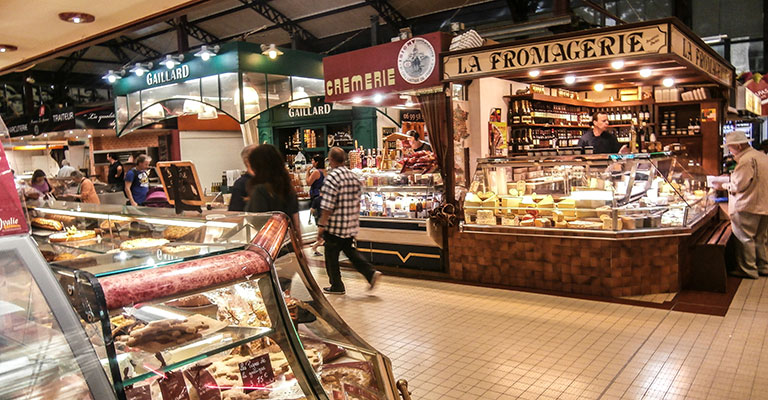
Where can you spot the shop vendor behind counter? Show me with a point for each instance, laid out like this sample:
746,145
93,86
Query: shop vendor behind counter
599,138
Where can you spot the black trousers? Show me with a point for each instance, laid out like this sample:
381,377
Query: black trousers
334,245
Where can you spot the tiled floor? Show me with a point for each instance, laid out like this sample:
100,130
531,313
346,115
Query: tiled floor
463,342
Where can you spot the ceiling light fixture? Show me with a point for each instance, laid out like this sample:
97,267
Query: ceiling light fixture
645,72
534,73
357,100
668,82
76,17
111,76
4,48
172,61
599,87
377,98
409,102
271,51
570,79
206,53
139,69
618,64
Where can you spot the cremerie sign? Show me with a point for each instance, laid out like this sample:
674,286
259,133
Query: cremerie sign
630,42
167,75
393,67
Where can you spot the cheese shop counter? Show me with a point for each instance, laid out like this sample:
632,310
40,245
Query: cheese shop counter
605,225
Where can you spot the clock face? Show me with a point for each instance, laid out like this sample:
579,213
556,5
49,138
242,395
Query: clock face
416,60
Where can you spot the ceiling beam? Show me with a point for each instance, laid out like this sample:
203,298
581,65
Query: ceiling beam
117,50
194,31
270,13
138,47
93,60
70,62
388,13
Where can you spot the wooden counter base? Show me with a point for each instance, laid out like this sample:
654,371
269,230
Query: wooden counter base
620,266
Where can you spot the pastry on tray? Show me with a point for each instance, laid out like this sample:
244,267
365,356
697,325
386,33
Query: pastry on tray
72,234
177,232
47,223
142,243
162,334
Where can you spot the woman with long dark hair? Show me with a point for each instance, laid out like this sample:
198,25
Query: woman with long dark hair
270,188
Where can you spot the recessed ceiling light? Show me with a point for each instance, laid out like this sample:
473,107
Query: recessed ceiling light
668,82
534,73
357,100
4,48
599,87
378,97
618,64
77,17
645,72
570,79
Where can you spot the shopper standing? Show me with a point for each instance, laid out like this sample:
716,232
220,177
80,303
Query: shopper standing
315,178
340,222
271,188
239,188
86,192
137,181
115,174
416,143
748,206
66,170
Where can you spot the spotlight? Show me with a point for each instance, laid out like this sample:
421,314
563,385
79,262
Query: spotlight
570,79
4,48
271,51
618,64
668,82
76,17
377,98
534,73
599,87
645,72
139,69
206,53
170,61
357,100
111,76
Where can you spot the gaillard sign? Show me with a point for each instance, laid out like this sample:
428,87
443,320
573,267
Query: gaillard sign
167,75
630,42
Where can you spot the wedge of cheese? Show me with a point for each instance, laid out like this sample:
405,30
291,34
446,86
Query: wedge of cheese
510,204
567,207
546,205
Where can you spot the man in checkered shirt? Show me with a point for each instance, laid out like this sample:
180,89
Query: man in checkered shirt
340,222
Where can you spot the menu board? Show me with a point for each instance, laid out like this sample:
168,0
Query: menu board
183,174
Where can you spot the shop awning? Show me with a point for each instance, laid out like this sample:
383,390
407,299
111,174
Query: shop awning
64,119
665,48
238,81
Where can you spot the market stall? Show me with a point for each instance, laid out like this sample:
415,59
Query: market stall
110,301
400,186
542,212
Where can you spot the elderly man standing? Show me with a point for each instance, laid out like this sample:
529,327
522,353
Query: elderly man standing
748,206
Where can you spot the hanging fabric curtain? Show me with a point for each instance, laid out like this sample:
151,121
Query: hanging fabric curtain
434,109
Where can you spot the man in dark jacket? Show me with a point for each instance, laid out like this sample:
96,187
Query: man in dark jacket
239,188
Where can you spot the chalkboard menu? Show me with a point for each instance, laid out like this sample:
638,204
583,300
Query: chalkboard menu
180,177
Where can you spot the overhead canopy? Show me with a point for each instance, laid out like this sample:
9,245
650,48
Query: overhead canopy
666,47
239,81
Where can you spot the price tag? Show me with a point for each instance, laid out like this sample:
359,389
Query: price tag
173,386
257,372
204,384
138,393
359,393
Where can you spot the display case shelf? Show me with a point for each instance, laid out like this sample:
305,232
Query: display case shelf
403,189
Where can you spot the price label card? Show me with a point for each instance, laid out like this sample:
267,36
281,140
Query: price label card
257,372
204,384
173,386
138,393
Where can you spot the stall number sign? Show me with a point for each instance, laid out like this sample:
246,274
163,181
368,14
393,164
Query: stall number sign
629,42
257,372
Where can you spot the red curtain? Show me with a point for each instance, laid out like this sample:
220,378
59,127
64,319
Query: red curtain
434,109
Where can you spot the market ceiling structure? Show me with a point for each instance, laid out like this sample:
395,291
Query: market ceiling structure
133,31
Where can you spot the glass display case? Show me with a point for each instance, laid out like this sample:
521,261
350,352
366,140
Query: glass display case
395,195
204,306
593,192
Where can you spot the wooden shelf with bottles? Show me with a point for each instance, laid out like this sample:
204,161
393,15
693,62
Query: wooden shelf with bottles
578,103
549,126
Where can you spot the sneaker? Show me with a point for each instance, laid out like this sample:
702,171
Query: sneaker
374,280
328,290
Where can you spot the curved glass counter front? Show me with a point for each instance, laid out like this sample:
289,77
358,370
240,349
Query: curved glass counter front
219,304
590,192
